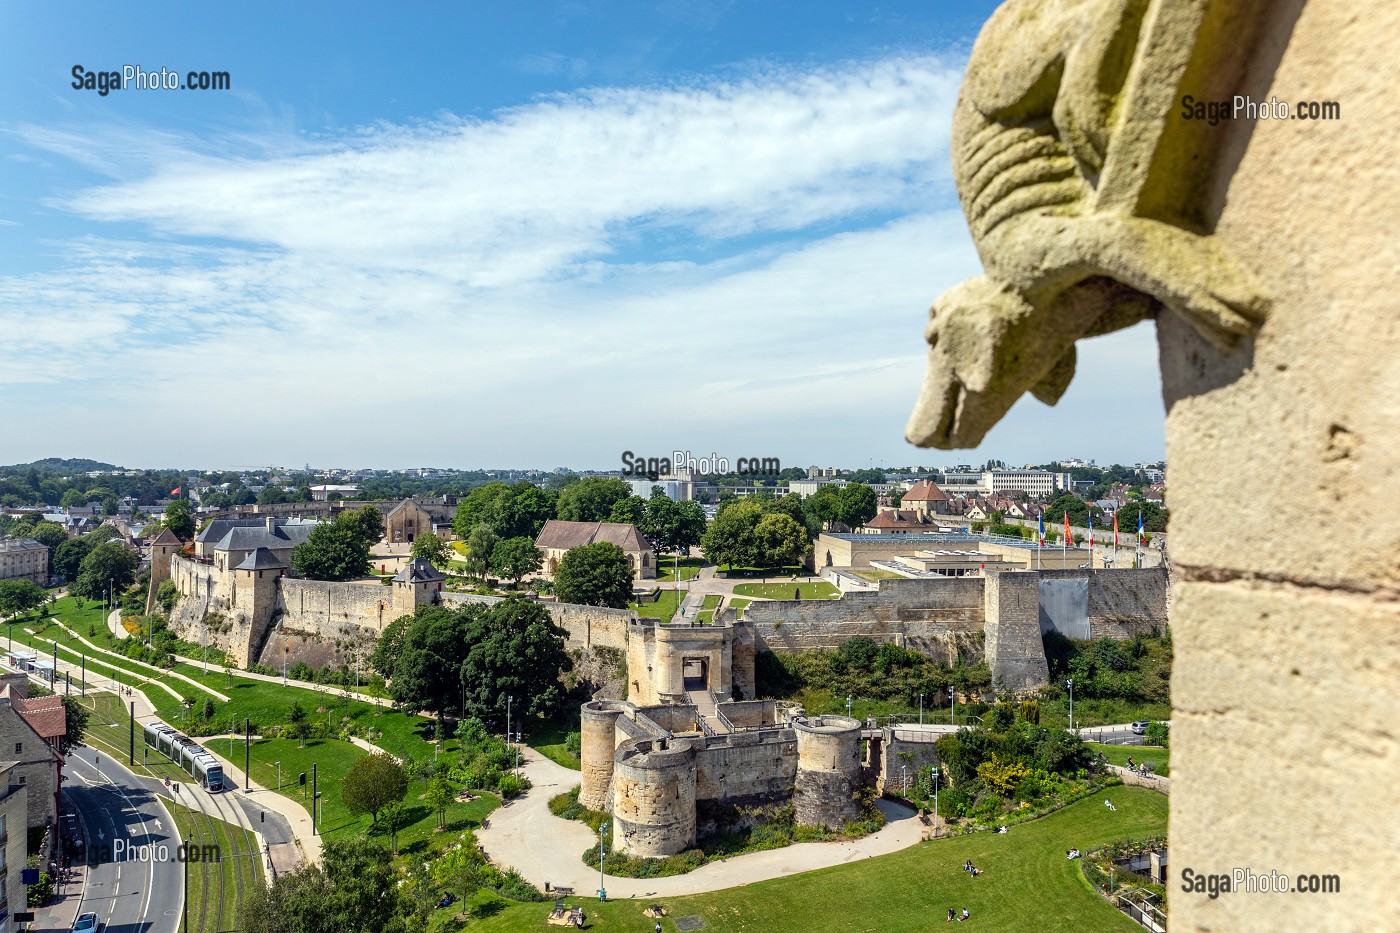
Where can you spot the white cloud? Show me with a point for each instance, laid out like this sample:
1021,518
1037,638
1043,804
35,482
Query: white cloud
740,262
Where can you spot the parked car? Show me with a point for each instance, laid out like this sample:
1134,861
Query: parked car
1140,727
87,923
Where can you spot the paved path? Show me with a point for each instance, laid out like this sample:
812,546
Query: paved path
542,847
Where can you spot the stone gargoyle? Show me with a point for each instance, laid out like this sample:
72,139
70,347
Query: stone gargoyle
1052,133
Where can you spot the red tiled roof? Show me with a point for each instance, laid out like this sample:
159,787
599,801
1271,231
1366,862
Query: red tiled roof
925,491
44,715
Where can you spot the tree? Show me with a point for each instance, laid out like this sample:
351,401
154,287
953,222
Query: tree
432,549
179,518
673,526
516,558
480,544
107,565
781,540
300,727
334,551
426,670
49,534
1154,517
856,505
597,574
68,556
515,650
512,511
367,522
390,646
75,719
440,795
592,498
629,511
730,538
353,889
372,783
17,596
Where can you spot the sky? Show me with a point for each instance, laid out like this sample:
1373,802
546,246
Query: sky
497,235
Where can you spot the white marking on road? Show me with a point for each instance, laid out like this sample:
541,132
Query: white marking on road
151,865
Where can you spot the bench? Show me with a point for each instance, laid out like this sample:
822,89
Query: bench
561,889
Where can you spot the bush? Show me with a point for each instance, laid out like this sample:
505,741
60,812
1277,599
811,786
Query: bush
573,743
1158,733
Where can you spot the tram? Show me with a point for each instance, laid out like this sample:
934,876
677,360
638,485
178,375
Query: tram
185,752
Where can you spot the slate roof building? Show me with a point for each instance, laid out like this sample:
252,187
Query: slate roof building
281,538
925,496
557,538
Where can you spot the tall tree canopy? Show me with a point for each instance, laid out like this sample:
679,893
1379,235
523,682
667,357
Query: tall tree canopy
592,498
597,574
107,565
179,518
516,558
512,511
336,550
509,648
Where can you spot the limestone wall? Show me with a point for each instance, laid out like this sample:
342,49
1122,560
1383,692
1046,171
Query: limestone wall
922,615
318,607
747,769
828,771
597,745
654,797
1123,603
1015,652
587,626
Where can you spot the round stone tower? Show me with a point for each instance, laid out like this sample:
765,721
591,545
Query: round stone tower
828,771
597,746
654,797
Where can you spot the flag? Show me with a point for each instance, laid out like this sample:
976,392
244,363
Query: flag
176,490
1091,533
1140,532
1115,529
1042,529
1069,539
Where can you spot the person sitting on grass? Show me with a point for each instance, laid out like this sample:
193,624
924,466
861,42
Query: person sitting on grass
951,914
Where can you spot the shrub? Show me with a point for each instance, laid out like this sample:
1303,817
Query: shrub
1158,733
573,743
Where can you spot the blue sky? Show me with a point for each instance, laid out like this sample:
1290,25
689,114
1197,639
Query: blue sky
497,235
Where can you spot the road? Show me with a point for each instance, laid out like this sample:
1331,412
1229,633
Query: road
136,896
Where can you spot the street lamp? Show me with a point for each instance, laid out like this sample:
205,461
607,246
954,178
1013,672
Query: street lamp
509,698
952,720
602,892
1070,684
936,772
279,774
286,649
921,708
848,705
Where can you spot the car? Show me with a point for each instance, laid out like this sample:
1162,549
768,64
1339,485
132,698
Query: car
86,923
1140,727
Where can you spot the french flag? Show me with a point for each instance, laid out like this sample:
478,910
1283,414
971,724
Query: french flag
1091,532
1140,531
1042,529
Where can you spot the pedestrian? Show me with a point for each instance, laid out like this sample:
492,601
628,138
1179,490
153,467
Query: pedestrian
964,915
951,914
582,918
658,926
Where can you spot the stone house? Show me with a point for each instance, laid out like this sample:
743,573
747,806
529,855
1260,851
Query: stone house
24,559
557,538
38,764
899,521
925,496
406,521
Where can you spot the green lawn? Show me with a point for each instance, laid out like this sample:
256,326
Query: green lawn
265,704
1100,712
217,888
1119,754
666,568
738,602
1028,884
548,738
664,607
818,590
711,602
